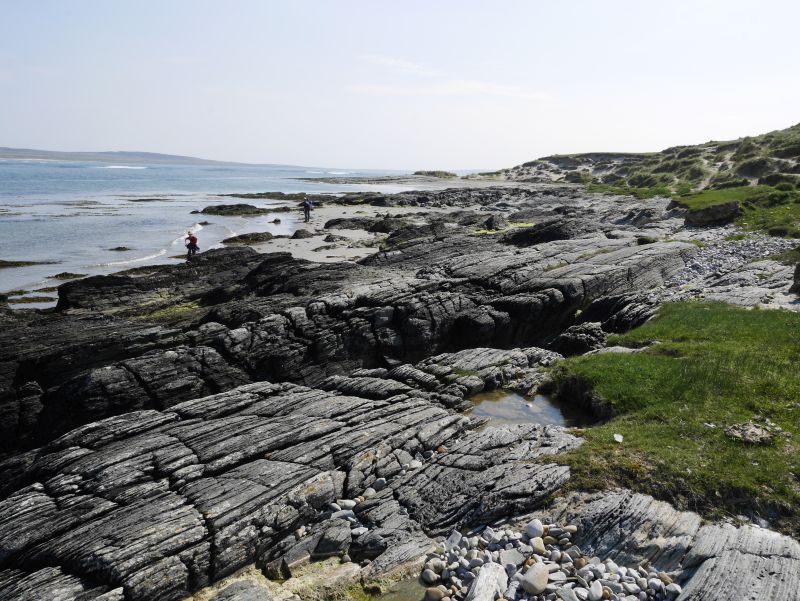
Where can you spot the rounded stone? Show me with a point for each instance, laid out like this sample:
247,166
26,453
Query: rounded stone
534,529
433,594
535,579
429,576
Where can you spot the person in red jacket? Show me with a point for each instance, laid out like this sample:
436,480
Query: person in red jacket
191,244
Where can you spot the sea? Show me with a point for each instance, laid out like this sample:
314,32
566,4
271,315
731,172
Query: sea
68,216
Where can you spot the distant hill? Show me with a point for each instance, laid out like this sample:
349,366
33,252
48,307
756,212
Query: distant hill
767,159
151,158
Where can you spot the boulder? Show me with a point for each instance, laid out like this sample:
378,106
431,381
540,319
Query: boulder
352,223
495,223
750,433
548,231
240,209
335,540
251,238
388,225
714,215
580,339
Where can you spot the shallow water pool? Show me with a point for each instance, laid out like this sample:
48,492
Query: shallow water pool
410,589
506,407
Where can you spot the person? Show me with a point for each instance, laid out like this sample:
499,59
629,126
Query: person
307,206
191,245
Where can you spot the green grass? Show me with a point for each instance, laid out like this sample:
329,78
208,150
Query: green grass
707,198
789,257
715,364
629,191
764,208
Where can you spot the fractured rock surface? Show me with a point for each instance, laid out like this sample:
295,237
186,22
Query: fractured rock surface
163,503
168,426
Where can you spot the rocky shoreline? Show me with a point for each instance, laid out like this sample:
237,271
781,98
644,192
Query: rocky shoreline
167,428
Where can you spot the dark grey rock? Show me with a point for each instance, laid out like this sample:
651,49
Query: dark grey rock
351,223
548,231
251,238
180,471
715,214
239,209
580,339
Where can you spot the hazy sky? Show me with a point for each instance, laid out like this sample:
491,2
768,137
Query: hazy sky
404,84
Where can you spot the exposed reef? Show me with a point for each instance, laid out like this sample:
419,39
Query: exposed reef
166,427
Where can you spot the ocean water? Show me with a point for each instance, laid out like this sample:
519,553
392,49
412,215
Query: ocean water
71,214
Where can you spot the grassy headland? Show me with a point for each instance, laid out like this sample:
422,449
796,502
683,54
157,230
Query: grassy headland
714,366
760,173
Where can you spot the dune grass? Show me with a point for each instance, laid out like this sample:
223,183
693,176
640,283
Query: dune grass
641,192
715,365
707,198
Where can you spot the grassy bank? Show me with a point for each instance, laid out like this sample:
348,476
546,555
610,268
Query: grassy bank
775,210
715,365
771,209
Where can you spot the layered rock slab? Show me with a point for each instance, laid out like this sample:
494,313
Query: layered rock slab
163,503
710,561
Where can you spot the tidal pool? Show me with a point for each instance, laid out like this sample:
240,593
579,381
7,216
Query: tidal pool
506,407
410,589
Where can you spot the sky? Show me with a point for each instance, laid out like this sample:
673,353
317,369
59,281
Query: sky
445,84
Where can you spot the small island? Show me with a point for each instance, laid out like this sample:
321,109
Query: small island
437,173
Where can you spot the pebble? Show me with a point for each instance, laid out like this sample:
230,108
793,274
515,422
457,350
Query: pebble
567,594
535,580
548,567
346,503
436,565
429,576
379,484
534,529
433,594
